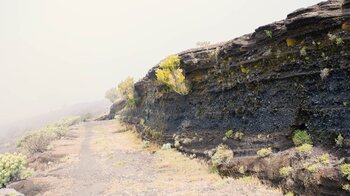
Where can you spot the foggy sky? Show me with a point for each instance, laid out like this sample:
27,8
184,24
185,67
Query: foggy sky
60,52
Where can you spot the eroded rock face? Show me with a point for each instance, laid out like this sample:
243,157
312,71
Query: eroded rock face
259,84
291,74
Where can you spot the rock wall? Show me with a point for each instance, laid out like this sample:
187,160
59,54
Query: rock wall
291,74
259,84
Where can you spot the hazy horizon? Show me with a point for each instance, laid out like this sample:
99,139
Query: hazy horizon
56,53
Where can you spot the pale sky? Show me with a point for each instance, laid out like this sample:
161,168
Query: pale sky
61,52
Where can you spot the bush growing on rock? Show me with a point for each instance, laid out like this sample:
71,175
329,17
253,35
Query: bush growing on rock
345,170
346,187
285,171
339,140
229,134
152,134
305,148
12,167
268,33
289,194
222,156
335,39
264,152
238,135
145,144
301,137
126,89
310,168
323,159
171,75
166,146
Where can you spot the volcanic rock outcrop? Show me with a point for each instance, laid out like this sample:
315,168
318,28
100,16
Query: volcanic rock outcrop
291,74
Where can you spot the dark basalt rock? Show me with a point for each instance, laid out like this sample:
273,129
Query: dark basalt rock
259,85
115,108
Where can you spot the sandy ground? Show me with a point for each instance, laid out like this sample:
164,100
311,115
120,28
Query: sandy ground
102,158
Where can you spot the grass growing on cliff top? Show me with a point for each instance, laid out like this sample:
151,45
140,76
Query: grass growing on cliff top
171,75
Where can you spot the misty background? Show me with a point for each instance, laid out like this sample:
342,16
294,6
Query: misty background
58,58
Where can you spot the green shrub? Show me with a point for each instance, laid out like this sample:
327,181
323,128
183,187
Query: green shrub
145,144
166,146
152,134
222,156
177,144
310,168
323,159
57,131
126,90
301,137
171,75
241,169
229,134
12,167
305,148
187,141
346,187
35,142
289,194
339,140
268,33
156,135
335,39
285,171
345,170
303,51
238,135
264,152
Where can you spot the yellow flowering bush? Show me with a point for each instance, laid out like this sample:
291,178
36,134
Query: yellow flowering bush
264,152
126,89
171,75
12,167
222,156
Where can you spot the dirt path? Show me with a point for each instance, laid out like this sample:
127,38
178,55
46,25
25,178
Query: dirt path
101,158
89,178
